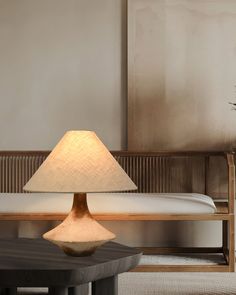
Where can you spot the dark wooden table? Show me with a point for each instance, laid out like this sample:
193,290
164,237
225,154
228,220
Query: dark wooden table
39,263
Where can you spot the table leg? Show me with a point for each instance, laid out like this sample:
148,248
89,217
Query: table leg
58,291
107,286
8,291
79,290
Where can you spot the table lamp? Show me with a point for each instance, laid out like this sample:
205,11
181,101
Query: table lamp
79,164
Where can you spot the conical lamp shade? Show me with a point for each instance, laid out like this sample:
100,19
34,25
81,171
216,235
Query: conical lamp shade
80,163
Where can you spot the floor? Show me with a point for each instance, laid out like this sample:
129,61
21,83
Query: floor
170,284
183,258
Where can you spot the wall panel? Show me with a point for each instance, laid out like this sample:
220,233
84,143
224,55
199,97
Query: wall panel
181,74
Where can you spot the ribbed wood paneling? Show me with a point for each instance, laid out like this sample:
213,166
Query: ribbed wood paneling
16,170
152,172
165,174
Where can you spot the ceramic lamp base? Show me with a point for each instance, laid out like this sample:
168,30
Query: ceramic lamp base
79,234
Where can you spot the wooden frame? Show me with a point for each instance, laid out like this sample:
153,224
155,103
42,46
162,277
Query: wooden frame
150,166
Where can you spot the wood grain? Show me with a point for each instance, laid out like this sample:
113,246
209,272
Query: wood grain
116,217
221,214
181,268
38,263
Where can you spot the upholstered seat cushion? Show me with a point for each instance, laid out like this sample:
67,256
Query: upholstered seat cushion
109,203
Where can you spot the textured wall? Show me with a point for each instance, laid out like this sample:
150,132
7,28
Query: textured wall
62,67
182,72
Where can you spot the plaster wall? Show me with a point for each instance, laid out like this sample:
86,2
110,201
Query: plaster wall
63,66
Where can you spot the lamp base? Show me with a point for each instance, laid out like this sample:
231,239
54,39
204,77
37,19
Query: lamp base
79,234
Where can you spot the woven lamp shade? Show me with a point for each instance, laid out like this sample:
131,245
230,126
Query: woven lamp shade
80,163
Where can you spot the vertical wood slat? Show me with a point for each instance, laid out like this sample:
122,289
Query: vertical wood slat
164,174
152,172
231,184
231,226
16,170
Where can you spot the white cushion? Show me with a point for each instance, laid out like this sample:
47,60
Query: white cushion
109,203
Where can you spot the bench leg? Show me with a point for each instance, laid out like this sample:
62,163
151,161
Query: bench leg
58,291
228,242
107,286
79,290
231,244
225,234
8,291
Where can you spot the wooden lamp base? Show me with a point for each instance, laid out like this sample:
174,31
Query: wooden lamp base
79,234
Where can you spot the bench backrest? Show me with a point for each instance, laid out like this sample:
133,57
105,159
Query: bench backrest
199,172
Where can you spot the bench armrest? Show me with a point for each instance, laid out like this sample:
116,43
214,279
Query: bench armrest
231,181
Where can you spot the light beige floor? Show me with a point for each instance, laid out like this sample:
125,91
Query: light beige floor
171,284
177,284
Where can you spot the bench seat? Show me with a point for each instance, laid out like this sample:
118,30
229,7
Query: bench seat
111,203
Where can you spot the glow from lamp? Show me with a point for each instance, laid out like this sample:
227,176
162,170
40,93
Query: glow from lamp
80,163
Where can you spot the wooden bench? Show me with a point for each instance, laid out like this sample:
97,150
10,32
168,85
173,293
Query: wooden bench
158,172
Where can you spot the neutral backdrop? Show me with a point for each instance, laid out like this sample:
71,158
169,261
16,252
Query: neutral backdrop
182,74
63,66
